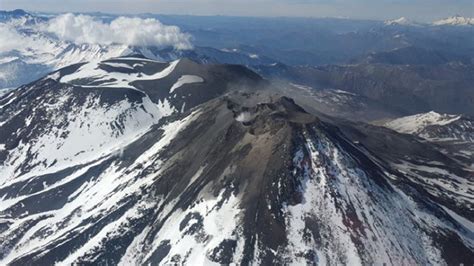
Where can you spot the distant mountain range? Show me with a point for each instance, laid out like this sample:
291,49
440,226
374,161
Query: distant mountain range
394,88
456,20
231,40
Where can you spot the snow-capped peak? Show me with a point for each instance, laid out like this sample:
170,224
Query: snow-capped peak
399,21
456,20
415,123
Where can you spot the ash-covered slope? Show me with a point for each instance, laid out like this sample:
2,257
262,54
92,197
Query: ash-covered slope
234,177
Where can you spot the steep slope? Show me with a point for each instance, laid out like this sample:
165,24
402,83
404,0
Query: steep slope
99,171
81,110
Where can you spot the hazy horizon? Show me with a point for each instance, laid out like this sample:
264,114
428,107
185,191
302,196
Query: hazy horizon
419,10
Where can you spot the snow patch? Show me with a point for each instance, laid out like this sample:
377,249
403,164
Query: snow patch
186,79
91,75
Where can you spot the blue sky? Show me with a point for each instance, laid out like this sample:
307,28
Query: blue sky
422,10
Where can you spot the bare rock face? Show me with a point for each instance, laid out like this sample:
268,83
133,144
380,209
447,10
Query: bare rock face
244,177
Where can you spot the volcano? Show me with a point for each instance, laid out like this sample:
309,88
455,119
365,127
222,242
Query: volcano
132,161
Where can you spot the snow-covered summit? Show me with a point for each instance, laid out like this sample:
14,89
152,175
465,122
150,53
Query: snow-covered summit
456,20
414,124
403,21
455,133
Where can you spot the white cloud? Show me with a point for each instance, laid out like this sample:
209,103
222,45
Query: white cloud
122,30
9,38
